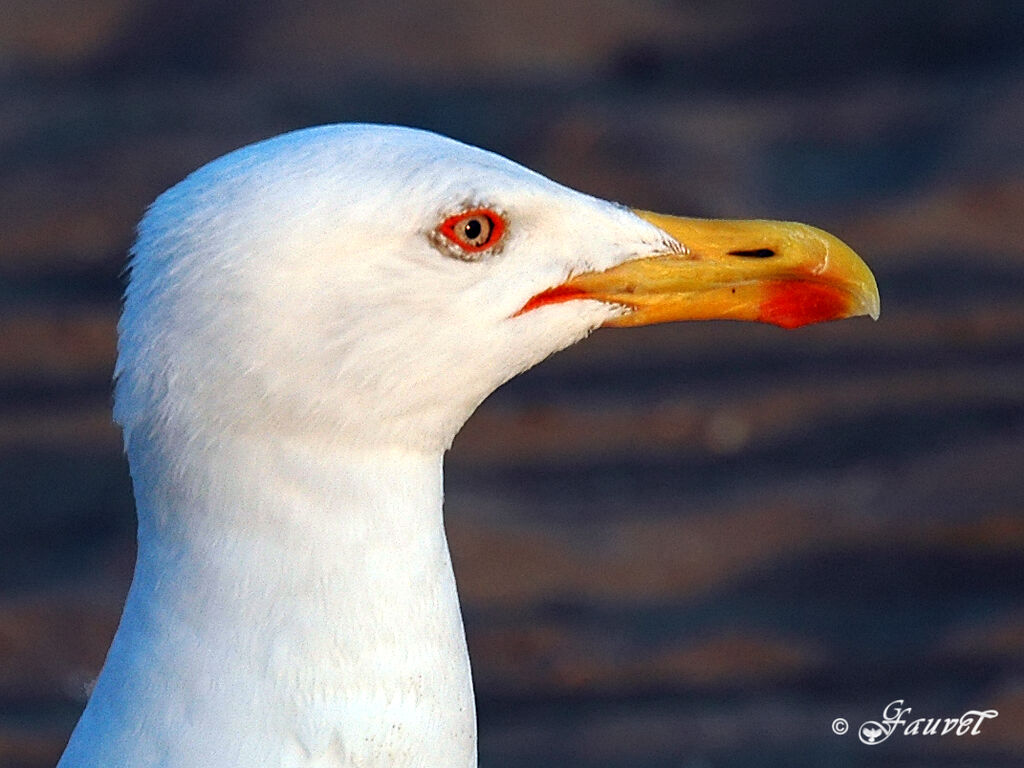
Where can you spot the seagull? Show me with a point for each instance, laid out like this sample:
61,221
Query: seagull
309,321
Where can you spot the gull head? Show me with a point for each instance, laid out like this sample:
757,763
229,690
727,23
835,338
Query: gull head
374,284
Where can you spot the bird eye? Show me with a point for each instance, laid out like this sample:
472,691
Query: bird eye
473,231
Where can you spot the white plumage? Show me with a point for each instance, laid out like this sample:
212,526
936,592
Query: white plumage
297,350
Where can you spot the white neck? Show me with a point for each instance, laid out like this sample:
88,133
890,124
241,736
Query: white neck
293,605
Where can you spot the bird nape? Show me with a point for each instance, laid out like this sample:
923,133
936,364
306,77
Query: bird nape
308,323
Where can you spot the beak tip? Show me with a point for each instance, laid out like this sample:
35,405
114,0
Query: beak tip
872,302
870,306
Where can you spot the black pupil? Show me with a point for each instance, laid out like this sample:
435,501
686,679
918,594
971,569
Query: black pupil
473,229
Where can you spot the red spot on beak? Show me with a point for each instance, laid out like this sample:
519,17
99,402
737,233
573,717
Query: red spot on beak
792,303
555,295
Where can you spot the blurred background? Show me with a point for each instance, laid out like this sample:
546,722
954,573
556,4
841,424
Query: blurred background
691,545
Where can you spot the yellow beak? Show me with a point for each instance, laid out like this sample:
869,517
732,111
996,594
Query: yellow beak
775,272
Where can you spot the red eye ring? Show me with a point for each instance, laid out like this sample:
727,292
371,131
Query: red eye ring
474,230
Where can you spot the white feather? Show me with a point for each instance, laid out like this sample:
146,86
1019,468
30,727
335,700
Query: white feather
295,356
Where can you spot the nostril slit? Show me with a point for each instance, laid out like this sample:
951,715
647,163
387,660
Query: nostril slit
757,253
